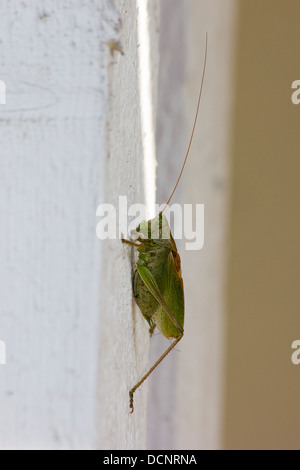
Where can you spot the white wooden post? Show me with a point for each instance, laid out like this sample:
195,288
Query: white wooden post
71,139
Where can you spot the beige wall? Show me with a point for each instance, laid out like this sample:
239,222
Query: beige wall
262,407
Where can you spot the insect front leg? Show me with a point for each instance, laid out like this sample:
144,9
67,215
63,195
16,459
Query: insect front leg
129,242
152,328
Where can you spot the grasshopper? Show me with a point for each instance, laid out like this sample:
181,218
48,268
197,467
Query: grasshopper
157,282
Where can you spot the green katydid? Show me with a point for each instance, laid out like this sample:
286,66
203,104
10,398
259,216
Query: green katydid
157,284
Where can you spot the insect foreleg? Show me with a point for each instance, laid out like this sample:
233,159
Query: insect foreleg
151,370
129,242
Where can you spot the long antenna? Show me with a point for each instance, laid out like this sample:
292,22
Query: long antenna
193,130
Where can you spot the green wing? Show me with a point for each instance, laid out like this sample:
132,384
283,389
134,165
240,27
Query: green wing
168,311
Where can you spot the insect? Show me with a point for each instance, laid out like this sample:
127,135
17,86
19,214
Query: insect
157,283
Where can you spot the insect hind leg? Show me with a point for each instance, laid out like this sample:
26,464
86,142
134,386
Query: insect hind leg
137,385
